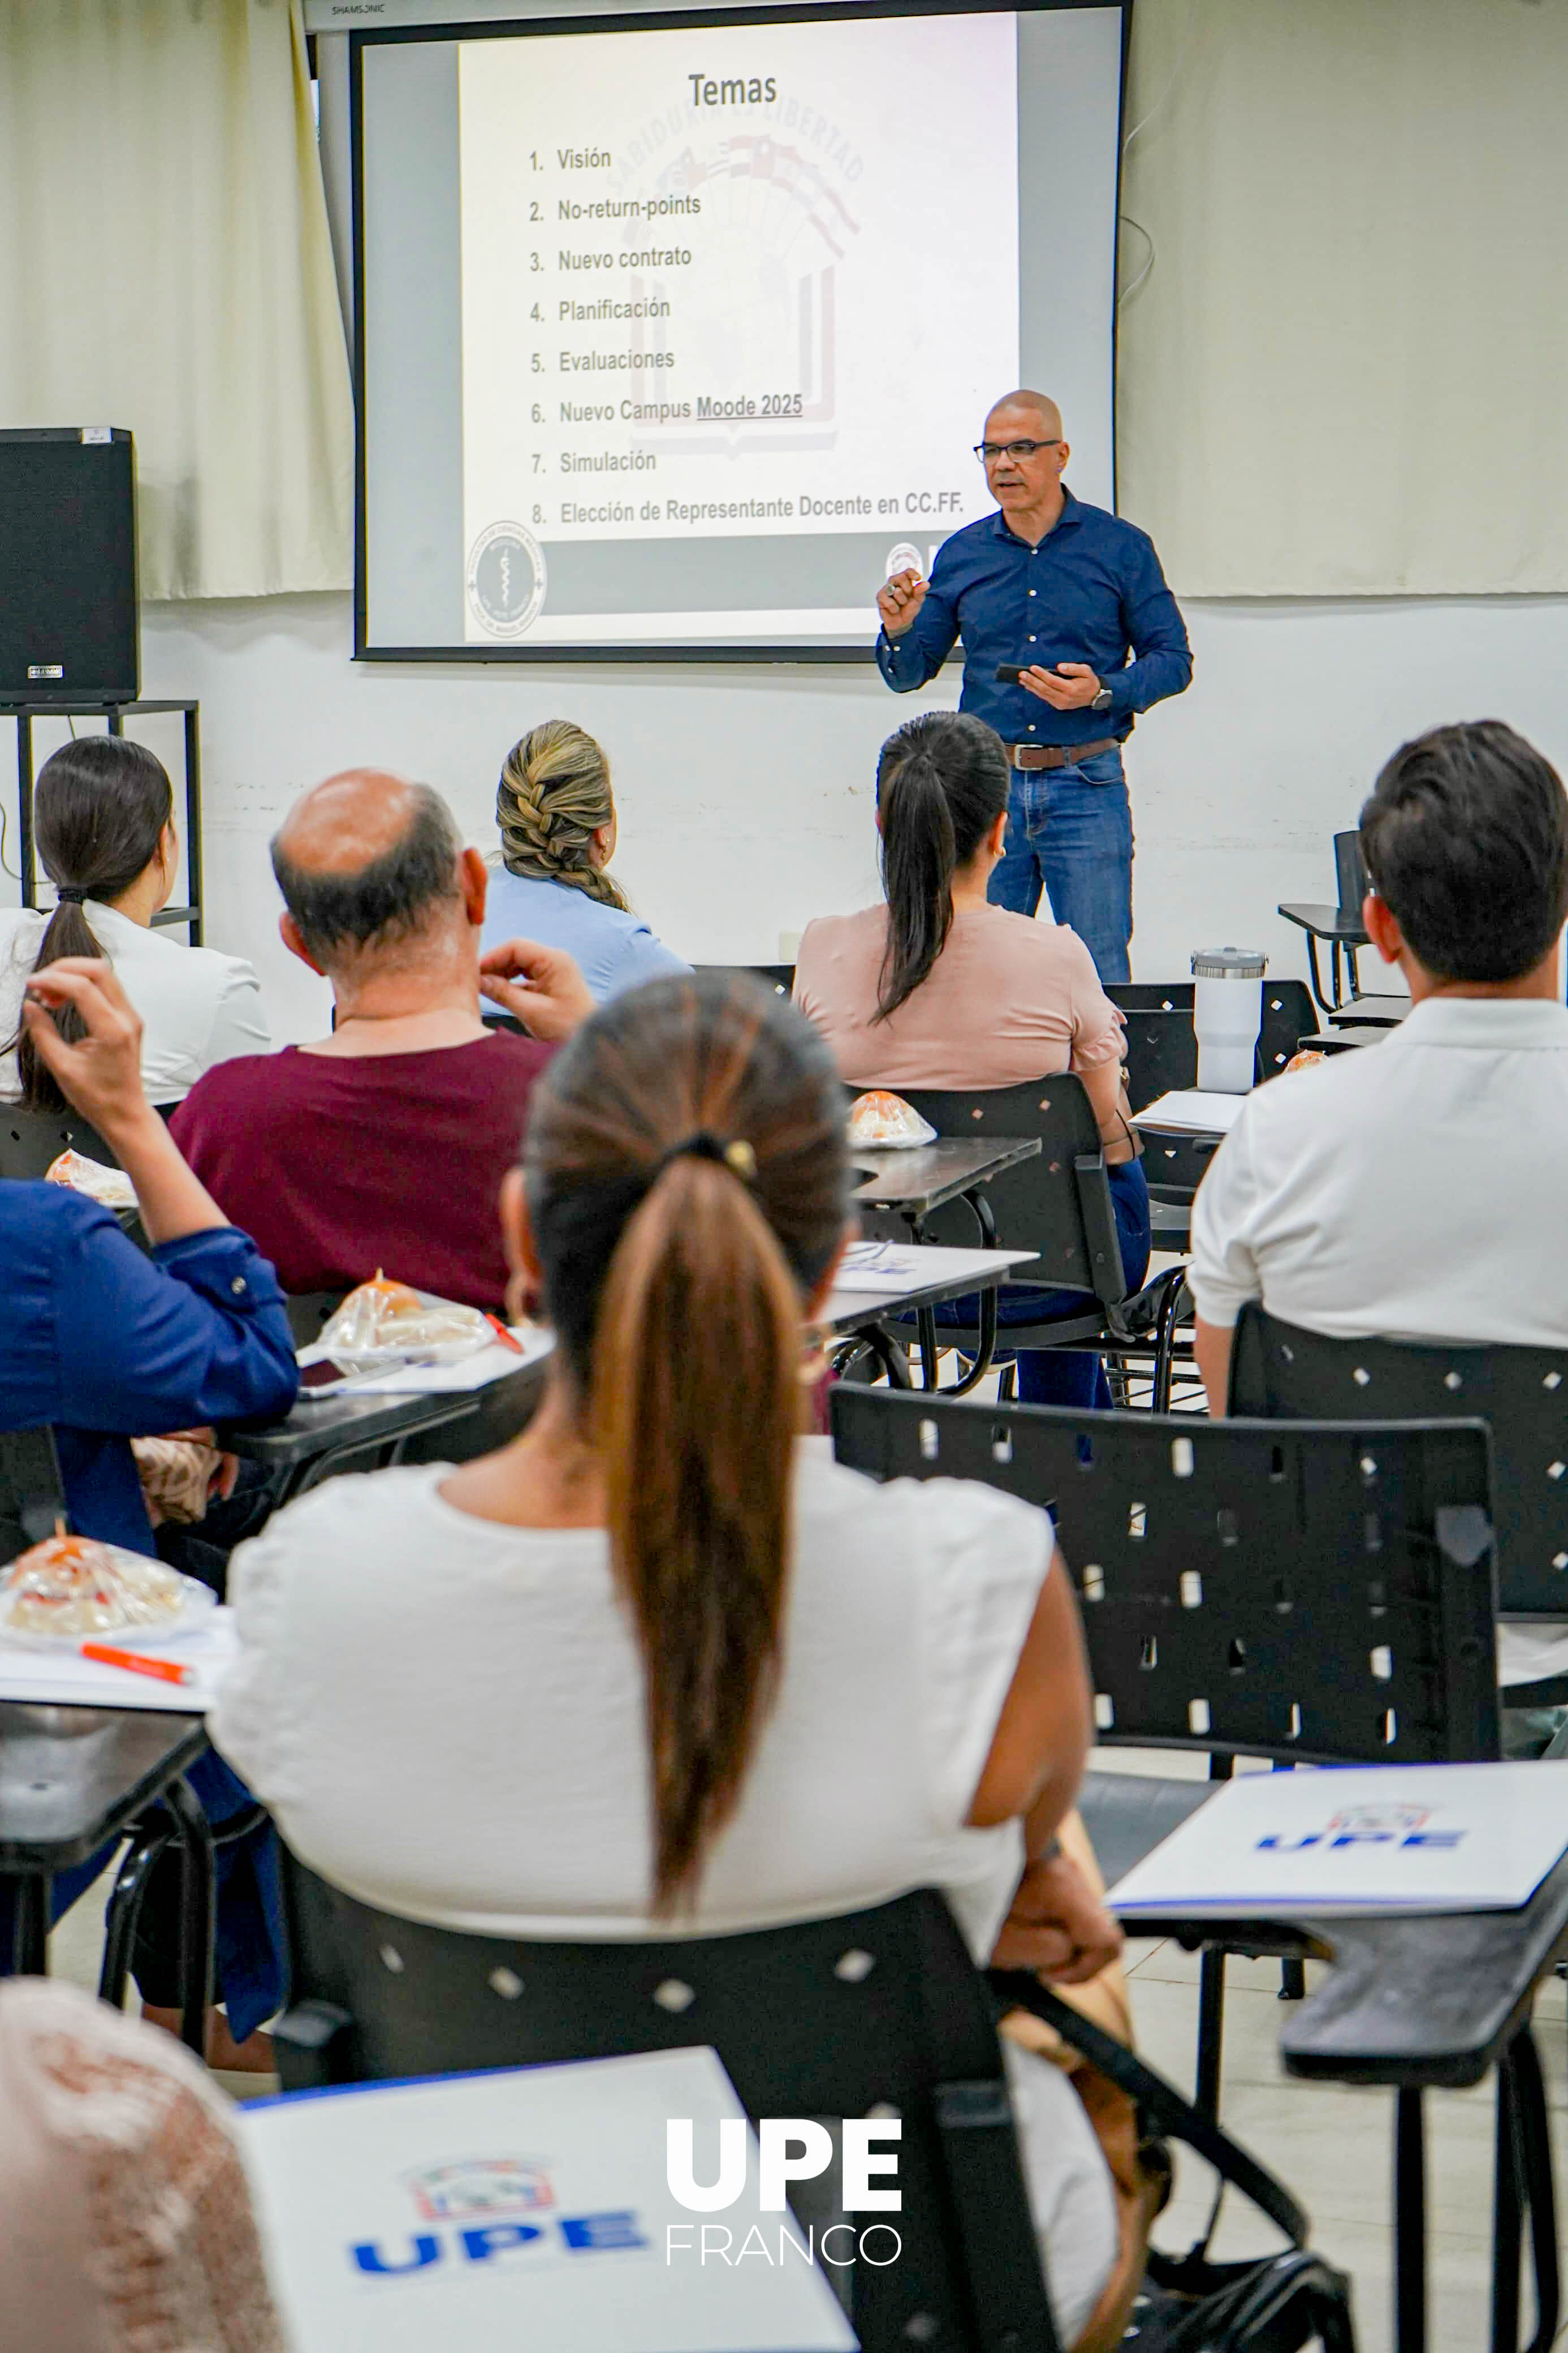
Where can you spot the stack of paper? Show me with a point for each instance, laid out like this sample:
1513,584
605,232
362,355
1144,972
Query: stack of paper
1190,1111
64,1678
1358,1841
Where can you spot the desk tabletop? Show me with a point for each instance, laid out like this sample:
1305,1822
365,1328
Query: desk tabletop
946,1274
339,1422
924,1178
1408,2001
71,1776
1329,923
1429,2000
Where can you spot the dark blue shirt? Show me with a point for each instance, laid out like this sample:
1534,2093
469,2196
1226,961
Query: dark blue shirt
1091,592
108,1345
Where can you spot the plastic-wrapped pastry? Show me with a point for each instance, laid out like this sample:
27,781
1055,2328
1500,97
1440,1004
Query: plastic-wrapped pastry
71,1585
111,1186
384,1322
887,1122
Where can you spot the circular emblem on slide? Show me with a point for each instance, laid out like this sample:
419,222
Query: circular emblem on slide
904,558
507,579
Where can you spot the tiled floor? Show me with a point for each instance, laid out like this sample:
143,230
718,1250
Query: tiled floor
1332,2146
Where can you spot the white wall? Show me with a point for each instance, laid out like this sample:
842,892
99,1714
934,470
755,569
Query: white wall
746,794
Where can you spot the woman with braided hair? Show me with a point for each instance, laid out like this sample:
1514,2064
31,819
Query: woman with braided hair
557,824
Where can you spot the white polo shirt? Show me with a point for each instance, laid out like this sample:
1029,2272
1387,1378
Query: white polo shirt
198,1006
1416,1189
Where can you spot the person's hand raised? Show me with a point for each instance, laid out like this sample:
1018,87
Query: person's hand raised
100,1071
899,601
540,987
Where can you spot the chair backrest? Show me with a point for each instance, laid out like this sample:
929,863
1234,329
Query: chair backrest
1311,1593
308,1310
32,1496
779,977
877,2010
1289,1015
1350,878
1279,1371
30,1140
1162,1052
1163,1048
1057,1205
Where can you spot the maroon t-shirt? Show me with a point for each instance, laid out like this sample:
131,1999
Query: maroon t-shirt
337,1164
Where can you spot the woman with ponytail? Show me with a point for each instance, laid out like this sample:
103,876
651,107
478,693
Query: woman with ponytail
659,1667
103,819
557,824
940,988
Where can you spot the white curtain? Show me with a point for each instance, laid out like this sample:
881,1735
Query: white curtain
165,265
1343,371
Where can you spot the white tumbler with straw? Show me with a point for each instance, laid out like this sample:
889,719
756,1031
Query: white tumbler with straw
1228,1015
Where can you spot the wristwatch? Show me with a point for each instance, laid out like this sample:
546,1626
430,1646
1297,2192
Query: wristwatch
1101,701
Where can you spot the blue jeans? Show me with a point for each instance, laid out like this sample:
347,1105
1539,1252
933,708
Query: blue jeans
1066,1376
1070,831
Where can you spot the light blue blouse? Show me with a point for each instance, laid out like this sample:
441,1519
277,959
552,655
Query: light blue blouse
614,951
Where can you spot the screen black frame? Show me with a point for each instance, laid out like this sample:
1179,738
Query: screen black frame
660,20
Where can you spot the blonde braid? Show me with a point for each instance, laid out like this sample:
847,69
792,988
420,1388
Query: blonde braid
555,793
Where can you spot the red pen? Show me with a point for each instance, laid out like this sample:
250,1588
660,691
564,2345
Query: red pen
167,1671
506,1338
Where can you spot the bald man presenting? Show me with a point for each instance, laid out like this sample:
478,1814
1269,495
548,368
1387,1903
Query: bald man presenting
1073,599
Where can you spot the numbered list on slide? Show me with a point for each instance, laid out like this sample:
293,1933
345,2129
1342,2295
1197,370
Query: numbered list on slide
755,282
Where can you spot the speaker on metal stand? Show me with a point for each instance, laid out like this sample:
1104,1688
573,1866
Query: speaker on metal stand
70,643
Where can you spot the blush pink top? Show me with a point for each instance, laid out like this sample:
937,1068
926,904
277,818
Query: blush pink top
1008,1000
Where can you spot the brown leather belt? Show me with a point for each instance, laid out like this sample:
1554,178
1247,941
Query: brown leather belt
1058,755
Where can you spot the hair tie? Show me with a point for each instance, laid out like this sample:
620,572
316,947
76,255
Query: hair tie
736,1155
71,895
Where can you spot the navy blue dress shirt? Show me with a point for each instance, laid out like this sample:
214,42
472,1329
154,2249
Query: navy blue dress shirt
1092,591
107,1344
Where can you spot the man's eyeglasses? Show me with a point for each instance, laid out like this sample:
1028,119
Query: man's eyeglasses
989,451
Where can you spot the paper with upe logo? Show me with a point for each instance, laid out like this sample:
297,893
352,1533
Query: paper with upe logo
524,2208
1357,1840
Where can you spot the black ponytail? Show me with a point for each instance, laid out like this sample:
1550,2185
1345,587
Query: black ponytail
99,808
942,783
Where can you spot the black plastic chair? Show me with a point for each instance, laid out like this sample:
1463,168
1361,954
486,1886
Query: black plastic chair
877,2010
1163,1050
1313,1594
32,1497
1163,1058
779,978
1058,1206
1279,1371
30,1140
308,1310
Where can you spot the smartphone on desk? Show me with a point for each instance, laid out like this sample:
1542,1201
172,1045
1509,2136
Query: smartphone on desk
324,1378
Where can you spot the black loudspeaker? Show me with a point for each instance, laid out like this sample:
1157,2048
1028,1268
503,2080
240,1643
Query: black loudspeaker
69,621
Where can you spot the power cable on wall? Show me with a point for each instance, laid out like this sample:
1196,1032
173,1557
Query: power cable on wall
1126,220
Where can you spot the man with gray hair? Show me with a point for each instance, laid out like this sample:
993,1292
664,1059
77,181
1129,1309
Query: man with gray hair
1068,632
384,1144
